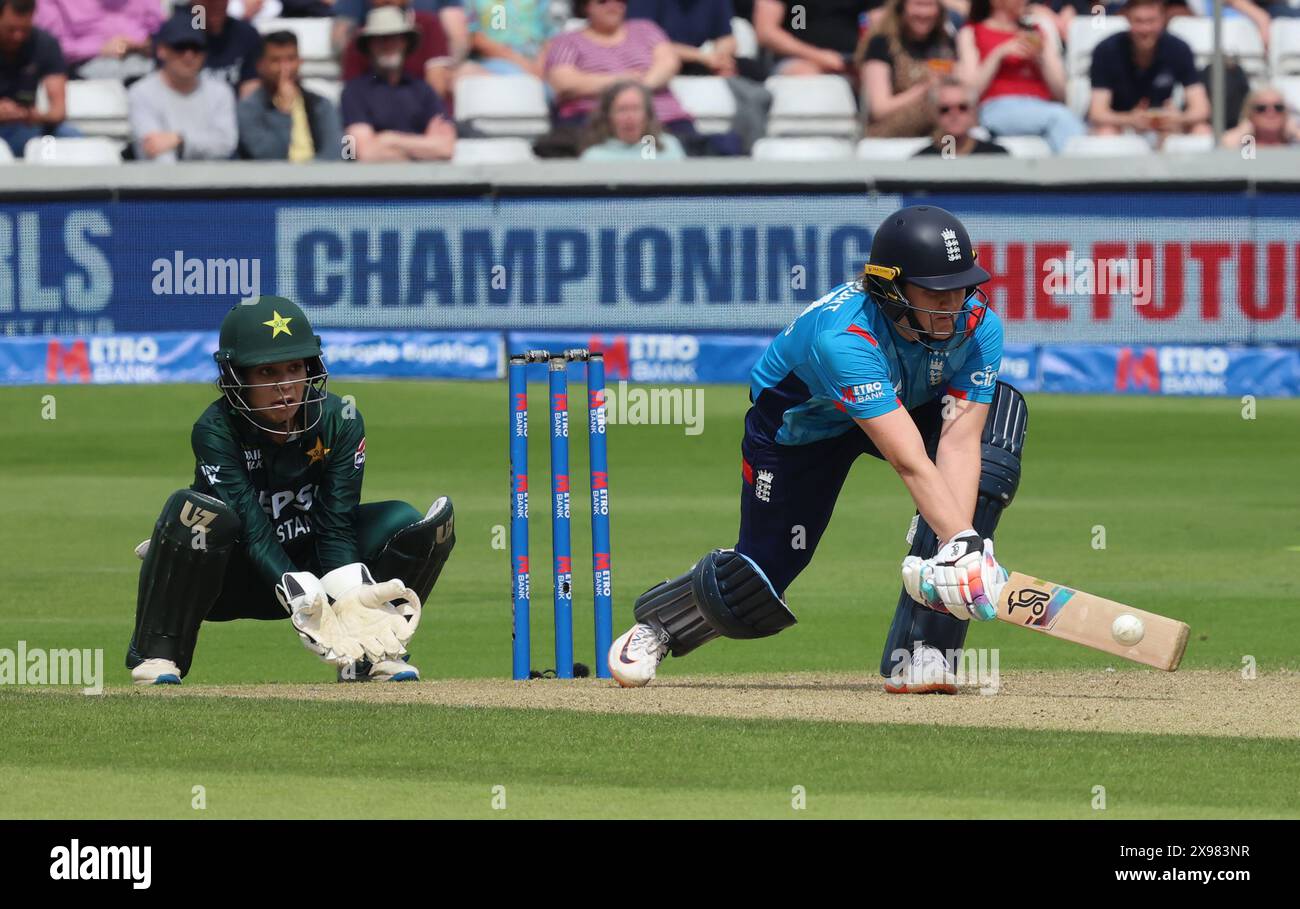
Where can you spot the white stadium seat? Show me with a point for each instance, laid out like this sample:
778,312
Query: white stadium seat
1187,145
1078,95
746,38
1086,32
503,105
314,46
707,99
802,148
1284,48
327,88
90,150
6,156
98,107
811,106
492,151
1290,89
891,149
1025,146
1240,39
1107,146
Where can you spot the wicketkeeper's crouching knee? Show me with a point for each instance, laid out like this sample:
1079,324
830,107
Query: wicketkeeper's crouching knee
181,577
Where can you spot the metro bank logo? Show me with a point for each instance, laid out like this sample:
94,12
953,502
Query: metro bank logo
1137,369
74,362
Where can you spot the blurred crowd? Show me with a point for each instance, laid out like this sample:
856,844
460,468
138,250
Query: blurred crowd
218,79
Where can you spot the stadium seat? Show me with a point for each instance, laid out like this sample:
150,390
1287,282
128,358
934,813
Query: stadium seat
1187,145
98,107
1025,146
503,105
314,46
746,38
1086,32
891,149
802,148
492,151
1290,89
1107,146
707,99
327,88
1284,48
90,150
811,106
1240,39
6,156
1078,95
574,24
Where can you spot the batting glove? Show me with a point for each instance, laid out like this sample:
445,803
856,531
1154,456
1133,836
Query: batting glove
968,577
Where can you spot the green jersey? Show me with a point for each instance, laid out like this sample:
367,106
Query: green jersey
297,501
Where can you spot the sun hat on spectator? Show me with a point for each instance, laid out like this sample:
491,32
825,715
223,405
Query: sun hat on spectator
384,21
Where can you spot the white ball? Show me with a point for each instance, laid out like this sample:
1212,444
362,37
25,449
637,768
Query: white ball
1128,629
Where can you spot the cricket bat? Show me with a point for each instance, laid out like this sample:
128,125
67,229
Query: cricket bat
1083,618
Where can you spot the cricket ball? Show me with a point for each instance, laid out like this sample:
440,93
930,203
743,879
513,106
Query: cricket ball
1127,629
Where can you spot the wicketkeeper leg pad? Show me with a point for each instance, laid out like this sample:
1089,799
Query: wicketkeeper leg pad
181,577
418,552
724,595
1000,447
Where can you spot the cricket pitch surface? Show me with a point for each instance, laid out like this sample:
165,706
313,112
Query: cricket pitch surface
1197,702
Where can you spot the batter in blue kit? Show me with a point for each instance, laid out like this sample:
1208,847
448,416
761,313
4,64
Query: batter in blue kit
900,364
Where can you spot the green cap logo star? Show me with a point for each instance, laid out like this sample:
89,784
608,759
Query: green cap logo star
278,324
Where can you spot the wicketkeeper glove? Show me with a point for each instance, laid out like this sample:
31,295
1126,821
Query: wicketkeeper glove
380,618
317,624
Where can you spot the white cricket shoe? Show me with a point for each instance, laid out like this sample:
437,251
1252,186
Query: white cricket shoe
926,672
156,672
635,656
383,671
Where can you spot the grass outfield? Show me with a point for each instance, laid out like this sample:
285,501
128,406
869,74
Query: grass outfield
1199,507
71,756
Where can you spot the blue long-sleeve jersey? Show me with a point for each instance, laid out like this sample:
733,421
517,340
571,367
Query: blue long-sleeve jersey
842,359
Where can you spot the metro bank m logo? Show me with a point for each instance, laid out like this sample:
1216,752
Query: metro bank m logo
1137,369
74,362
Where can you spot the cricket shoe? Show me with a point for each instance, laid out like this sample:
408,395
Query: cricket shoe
383,671
926,672
156,672
636,655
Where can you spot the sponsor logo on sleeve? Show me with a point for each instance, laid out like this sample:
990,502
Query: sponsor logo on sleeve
210,473
861,394
360,457
984,378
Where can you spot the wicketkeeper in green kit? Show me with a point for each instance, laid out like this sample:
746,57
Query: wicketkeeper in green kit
273,526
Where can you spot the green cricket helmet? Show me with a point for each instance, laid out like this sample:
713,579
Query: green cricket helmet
263,330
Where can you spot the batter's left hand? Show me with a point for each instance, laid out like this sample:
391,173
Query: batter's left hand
968,577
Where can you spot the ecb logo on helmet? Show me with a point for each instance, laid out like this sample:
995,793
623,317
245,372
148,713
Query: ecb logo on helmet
951,244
